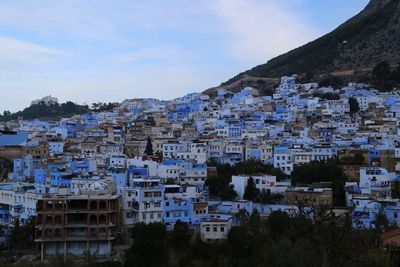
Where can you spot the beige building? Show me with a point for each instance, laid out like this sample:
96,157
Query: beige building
215,229
309,197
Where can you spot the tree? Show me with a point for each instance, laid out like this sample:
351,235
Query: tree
339,193
217,185
149,147
250,191
23,236
357,159
381,222
229,193
180,236
381,71
382,76
354,106
6,166
15,237
322,171
279,240
396,75
148,248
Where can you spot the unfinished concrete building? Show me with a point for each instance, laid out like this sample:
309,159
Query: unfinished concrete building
77,226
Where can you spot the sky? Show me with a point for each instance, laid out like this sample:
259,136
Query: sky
104,51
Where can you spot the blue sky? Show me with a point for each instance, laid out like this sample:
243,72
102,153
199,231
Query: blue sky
100,50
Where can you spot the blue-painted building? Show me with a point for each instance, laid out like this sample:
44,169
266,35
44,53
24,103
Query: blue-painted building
24,168
9,138
61,180
178,210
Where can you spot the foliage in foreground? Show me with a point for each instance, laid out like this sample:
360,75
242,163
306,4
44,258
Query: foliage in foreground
278,241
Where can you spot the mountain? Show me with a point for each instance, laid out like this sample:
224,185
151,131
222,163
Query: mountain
349,52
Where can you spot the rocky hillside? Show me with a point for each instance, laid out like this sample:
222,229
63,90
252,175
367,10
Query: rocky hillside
350,52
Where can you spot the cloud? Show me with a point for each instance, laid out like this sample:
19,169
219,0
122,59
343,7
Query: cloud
12,50
260,30
70,20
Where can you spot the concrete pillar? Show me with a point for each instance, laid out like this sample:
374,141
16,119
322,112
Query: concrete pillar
65,251
87,250
109,250
42,252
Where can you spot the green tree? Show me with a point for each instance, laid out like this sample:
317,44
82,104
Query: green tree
148,248
396,75
339,193
16,234
229,193
218,185
250,191
149,147
322,171
180,236
381,71
6,166
382,76
22,236
354,106
381,222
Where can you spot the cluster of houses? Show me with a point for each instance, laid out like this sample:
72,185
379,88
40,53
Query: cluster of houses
90,178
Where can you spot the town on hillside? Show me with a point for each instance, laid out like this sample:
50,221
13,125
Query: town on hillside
81,184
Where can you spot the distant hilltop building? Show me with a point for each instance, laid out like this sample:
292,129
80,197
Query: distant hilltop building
47,100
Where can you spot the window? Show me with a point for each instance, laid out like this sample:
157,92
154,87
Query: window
157,194
207,229
144,216
151,216
167,214
395,215
215,229
222,229
167,204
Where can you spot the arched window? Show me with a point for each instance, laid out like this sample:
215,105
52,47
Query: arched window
102,219
93,205
92,232
47,233
92,219
102,232
39,234
57,233
102,205
58,219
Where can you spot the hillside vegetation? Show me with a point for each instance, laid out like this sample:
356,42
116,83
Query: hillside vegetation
55,110
350,52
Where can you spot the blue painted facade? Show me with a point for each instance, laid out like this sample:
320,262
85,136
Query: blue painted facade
178,210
